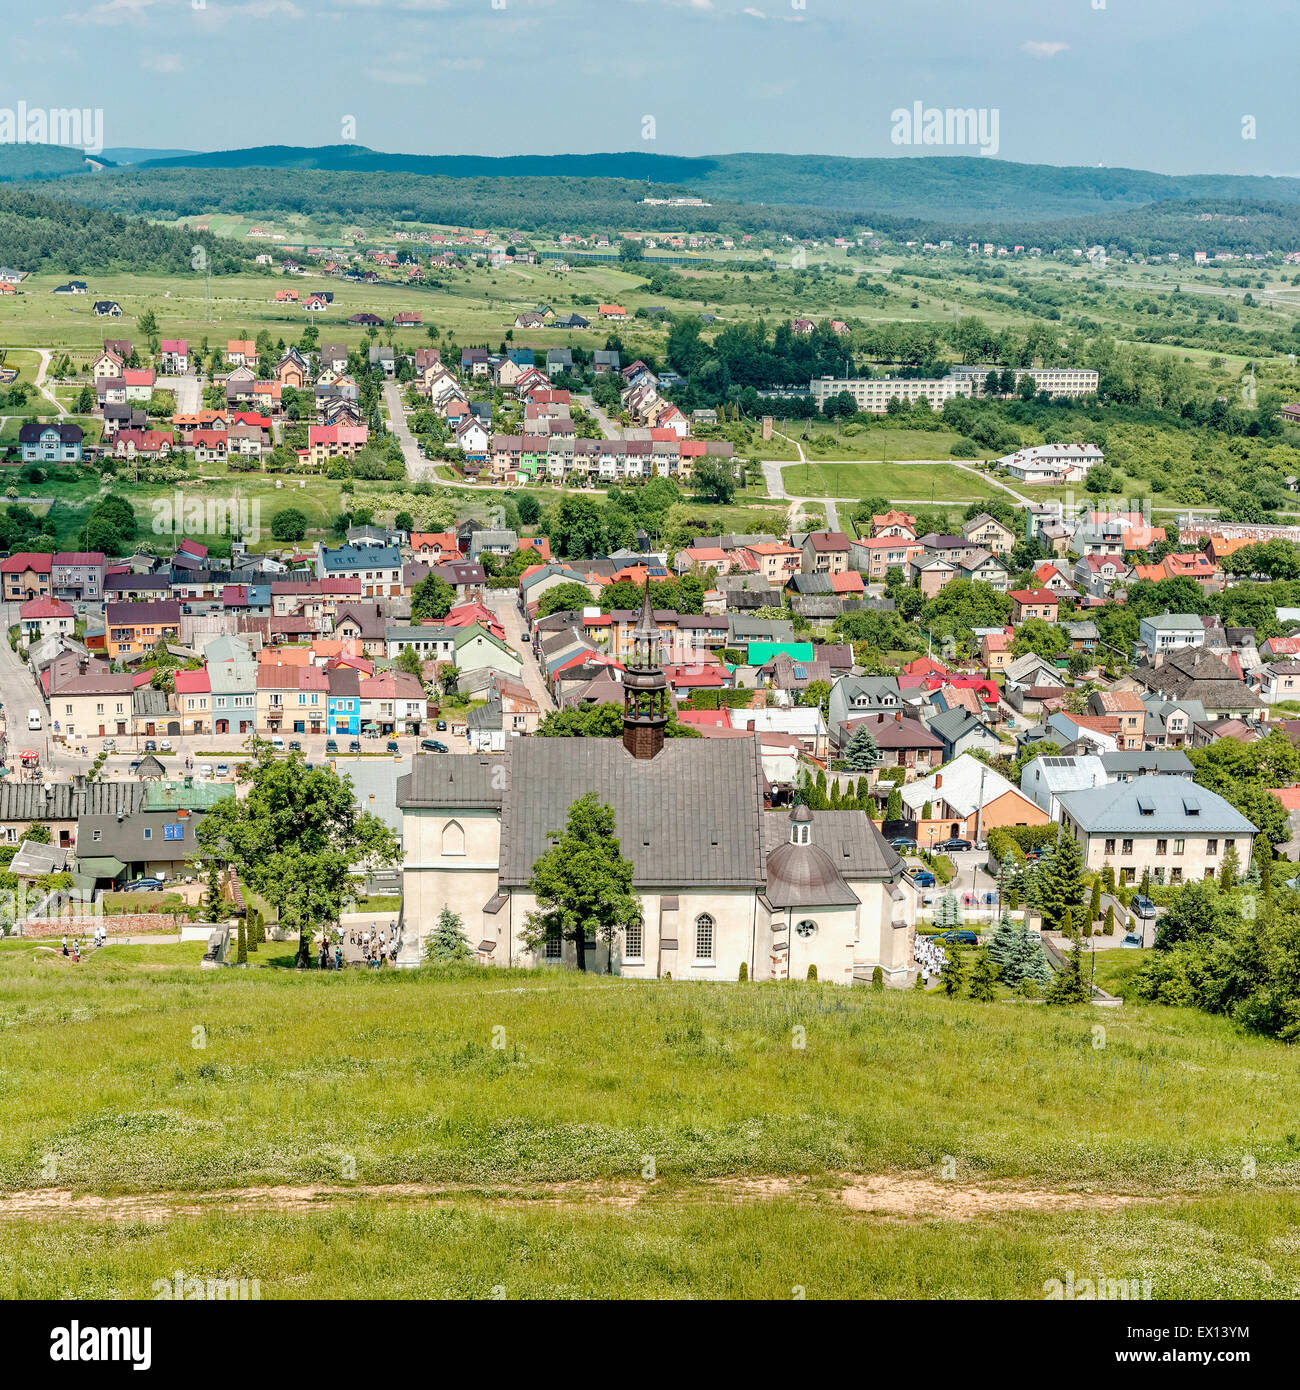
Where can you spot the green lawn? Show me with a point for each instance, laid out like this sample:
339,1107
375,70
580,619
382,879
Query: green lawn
825,441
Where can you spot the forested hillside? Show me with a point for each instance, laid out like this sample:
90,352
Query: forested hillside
39,232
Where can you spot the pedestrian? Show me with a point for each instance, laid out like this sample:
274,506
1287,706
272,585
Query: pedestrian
338,957
65,945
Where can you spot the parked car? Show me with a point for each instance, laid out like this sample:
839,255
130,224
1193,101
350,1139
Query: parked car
431,745
925,878
903,843
150,746
1142,907
392,745
165,745
949,846
135,764
222,770
331,745
145,885
278,743
1132,939
354,746
205,770
110,746
959,938
295,745
441,726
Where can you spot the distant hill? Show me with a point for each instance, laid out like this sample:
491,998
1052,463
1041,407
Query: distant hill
925,187
129,154
43,162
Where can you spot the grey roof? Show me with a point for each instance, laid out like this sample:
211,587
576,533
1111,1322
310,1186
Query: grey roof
1154,805
1152,761
375,790
34,859
956,723
466,781
840,834
28,801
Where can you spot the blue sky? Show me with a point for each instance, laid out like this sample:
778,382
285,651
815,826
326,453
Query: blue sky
1150,84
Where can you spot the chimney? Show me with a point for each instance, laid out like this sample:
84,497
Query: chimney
898,717
938,780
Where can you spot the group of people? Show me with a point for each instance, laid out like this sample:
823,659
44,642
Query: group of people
930,957
73,952
376,946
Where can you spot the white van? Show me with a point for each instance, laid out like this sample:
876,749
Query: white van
33,719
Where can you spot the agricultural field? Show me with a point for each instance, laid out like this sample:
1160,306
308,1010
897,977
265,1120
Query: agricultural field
690,1147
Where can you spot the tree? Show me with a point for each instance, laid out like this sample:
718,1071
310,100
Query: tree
818,693
894,806
1069,986
408,660
583,884
1060,881
404,521
983,977
1042,638
1230,870
432,597
714,480
212,908
38,834
862,752
564,598
446,944
1198,909
241,948
289,525
294,837
954,970
1094,905
630,249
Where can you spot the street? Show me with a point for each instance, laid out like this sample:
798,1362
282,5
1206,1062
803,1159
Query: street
502,603
417,466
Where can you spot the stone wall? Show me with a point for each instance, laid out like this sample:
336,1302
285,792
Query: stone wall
122,924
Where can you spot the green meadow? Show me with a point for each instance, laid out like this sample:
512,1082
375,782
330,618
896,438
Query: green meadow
554,1134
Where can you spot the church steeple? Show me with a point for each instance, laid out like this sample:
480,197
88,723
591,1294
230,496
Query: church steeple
645,688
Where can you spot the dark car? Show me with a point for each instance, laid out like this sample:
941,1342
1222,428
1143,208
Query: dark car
354,746
947,846
331,745
902,842
150,745
431,745
959,938
392,745
925,878
144,885
1142,906
295,746
441,726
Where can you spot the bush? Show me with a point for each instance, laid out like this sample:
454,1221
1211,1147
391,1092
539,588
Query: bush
812,974
744,971
964,448
289,525
877,977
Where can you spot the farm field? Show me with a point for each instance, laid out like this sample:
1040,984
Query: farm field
521,1166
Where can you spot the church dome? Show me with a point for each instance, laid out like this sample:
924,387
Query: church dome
805,876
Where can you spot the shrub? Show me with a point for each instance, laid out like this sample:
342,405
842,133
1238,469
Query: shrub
877,978
744,971
812,973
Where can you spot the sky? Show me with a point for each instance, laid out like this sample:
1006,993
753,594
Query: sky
1168,85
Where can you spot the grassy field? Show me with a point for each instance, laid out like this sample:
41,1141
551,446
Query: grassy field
856,442
933,483
447,1131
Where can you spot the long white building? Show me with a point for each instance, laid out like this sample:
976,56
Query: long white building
873,394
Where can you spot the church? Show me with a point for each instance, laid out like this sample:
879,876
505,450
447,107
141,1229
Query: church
722,881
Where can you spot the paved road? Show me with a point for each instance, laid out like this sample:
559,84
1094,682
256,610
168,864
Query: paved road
18,693
502,603
417,466
610,427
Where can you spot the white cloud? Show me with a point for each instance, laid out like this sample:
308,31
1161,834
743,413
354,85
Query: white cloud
161,62
1043,48
393,78
114,12
753,13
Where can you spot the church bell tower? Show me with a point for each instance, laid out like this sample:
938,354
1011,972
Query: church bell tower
645,689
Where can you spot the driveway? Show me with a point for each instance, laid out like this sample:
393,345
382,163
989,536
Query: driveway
189,392
18,693
502,603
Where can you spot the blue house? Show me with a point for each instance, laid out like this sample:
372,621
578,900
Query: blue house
59,443
344,709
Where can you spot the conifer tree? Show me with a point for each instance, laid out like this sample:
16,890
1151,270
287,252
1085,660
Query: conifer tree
1029,961
1060,882
983,977
1094,907
447,941
954,971
1003,946
241,946
1070,987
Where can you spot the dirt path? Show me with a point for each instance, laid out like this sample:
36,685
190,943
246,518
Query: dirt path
887,1196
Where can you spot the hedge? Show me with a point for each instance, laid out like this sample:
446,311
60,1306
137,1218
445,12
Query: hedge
721,699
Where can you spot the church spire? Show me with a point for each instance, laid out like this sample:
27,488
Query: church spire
645,688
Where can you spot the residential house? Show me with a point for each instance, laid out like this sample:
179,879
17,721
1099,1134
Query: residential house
136,628
1045,778
50,443
966,799
1033,603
